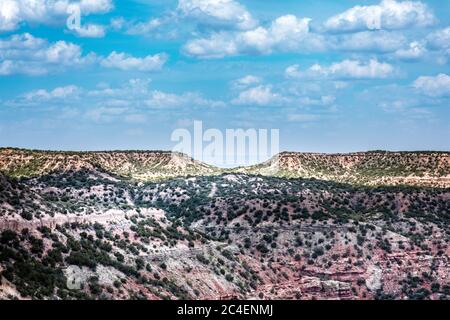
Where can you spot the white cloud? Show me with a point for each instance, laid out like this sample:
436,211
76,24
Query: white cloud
163,27
21,41
7,67
218,45
94,6
43,97
262,95
369,41
415,51
407,108
127,62
347,69
394,106
293,72
61,52
204,14
138,88
439,42
221,13
134,93
286,33
323,101
246,81
252,92
132,102
289,28
140,27
439,39
26,54
117,23
105,114
9,15
14,12
438,86
91,31
389,14
159,99
57,93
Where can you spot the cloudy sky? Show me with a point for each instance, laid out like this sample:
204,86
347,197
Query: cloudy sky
333,76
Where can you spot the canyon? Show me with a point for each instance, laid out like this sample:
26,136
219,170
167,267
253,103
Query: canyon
157,225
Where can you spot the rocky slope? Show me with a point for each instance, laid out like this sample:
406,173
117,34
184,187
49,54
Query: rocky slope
367,168
78,226
363,168
139,165
227,236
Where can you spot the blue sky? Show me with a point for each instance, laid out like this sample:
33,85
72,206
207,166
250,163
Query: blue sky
333,76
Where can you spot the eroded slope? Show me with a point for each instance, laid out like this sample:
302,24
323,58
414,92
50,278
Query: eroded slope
226,236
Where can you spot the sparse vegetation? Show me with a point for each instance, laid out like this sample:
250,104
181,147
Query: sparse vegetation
147,238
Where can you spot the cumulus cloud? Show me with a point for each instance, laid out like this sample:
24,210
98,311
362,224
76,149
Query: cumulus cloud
105,114
26,54
201,15
94,6
347,69
321,101
439,39
140,27
159,99
293,72
15,12
438,86
9,15
262,95
136,93
438,42
253,92
246,81
127,62
90,31
286,33
414,51
163,27
196,16
218,45
43,97
221,13
369,41
388,14
132,102
57,93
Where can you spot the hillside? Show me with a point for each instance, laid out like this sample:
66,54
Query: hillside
224,236
363,168
139,165
95,226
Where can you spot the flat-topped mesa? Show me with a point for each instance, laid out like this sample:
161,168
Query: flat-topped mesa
373,168
368,168
140,165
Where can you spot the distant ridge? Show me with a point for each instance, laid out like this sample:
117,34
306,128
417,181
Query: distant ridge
420,168
416,168
139,165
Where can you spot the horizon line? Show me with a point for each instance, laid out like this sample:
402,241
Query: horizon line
171,151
